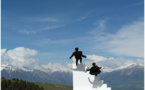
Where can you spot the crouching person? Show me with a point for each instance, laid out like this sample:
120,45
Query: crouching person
94,70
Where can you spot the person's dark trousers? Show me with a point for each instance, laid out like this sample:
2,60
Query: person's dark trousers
77,61
80,60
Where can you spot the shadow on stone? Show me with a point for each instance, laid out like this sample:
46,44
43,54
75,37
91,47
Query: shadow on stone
81,67
96,83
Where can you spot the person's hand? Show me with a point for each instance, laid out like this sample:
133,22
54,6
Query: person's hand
87,69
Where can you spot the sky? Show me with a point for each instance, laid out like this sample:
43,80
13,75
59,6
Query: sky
40,32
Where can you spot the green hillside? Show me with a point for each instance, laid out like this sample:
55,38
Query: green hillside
16,84
49,86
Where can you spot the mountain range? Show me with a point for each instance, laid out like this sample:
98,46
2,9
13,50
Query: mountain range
37,75
127,78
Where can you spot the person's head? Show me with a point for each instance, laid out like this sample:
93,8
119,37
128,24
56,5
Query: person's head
94,64
76,48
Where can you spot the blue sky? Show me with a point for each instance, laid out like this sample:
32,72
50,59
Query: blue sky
53,28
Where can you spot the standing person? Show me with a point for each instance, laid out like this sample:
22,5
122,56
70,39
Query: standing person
94,70
78,55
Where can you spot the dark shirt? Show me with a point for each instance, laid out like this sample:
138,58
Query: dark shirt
94,70
78,55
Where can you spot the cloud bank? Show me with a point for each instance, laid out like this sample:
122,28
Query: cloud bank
127,41
19,57
96,58
112,62
24,57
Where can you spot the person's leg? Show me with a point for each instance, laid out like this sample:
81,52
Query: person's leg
95,73
81,60
76,62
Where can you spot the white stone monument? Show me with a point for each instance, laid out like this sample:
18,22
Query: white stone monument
82,80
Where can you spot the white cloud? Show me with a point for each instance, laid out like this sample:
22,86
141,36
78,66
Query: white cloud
96,58
107,64
41,19
127,41
101,25
23,57
19,57
54,67
119,62
140,61
4,57
112,62
27,32
136,4
82,18
47,19
52,27
3,51
49,41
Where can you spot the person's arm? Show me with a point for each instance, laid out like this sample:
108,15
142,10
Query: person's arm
98,67
71,56
84,56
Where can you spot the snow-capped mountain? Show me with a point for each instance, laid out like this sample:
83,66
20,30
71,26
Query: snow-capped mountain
37,75
134,65
127,78
13,68
127,75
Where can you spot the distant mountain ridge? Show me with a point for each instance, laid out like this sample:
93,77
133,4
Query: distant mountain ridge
129,78
36,75
126,78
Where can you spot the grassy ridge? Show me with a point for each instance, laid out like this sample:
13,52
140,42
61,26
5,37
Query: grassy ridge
16,84
49,86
